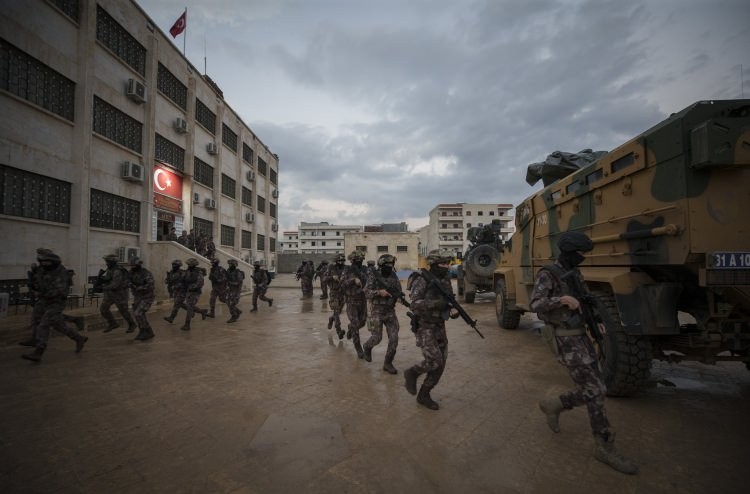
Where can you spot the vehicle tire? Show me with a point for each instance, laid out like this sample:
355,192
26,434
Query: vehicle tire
506,318
469,297
625,359
460,283
481,260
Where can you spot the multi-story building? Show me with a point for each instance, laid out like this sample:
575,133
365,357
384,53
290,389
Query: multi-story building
323,238
290,242
110,137
449,224
403,245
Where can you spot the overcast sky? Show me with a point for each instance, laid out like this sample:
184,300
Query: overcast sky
380,110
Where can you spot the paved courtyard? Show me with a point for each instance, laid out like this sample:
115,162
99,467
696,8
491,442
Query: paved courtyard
277,404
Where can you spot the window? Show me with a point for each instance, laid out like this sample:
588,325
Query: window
29,195
623,162
338,234
114,212
273,176
361,248
480,213
272,211
247,196
572,187
402,248
313,244
119,41
594,176
227,235
261,244
203,173
323,244
456,225
382,248
67,7
205,117
261,166
443,213
228,187
203,226
169,152
468,213
171,87
468,225
272,244
28,78
247,153
480,224
247,240
228,137
117,126
261,204
338,244
492,213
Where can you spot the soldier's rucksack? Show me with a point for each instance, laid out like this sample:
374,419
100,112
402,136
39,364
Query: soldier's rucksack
411,279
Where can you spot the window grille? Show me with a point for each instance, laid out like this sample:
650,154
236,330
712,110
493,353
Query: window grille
205,117
202,226
247,196
171,86
203,173
228,137
29,195
247,239
261,243
402,248
261,166
117,126
273,176
272,244
67,7
114,212
115,37
247,153
228,186
261,204
169,152
272,211
227,235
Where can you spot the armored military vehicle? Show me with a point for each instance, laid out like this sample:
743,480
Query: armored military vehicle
479,261
668,213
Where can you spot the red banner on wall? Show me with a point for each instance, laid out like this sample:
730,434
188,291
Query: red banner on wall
167,182
167,203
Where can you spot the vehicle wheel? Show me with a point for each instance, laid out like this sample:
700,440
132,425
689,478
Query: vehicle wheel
506,318
481,260
460,283
625,359
469,297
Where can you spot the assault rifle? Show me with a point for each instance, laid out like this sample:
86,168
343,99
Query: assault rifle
99,282
451,299
591,306
396,294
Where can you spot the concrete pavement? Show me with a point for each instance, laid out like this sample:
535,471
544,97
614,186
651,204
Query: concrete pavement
275,403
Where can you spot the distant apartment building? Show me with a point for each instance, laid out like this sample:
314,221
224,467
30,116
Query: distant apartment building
290,242
323,238
403,245
449,224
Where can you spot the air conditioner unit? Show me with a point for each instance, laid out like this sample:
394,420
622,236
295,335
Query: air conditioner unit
136,91
249,217
132,172
196,198
250,175
126,254
210,203
275,193
212,148
274,227
180,125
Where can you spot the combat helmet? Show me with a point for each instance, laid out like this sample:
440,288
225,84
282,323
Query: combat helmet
439,256
177,263
356,255
574,241
232,262
46,255
111,258
192,262
340,258
215,262
136,261
386,259
256,263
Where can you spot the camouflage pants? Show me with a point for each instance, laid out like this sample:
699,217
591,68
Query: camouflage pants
179,303
259,292
336,303
233,299
356,311
119,299
386,318
579,358
434,344
191,299
50,315
324,288
141,305
307,287
217,291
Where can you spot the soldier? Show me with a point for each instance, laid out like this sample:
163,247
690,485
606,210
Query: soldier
218,278
235,277
261,279
210,247
142,286
379,287
371,267
175,288
431,310
561,313
192,280
52,283
306,273
190,240
115,284
320,273
182,239
333,276
172,236
200,244
353,284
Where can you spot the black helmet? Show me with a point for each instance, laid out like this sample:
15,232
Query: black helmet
574,241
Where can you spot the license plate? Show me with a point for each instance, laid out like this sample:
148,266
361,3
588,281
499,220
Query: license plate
729,260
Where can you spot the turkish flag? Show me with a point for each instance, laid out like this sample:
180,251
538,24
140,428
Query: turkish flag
167,182
179,25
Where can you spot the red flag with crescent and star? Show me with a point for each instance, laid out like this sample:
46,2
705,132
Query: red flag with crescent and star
179,25
167,182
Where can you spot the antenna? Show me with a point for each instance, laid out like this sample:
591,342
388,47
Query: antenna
205,69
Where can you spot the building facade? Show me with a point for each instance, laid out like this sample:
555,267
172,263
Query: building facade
323,238
449,224
111,138
403,245
290,242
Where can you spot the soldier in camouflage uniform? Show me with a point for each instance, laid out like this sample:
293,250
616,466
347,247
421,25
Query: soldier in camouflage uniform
333,276
235,277
431,310
175,288
561,312
218,278
320,273
306,273
115,286
142,286
261,279
353,284
53,285
193,283
383,310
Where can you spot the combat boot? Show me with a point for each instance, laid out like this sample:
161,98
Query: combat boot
204,314
131,327
388,365
424,398
330,323
34,356
323,297
368,353
234,317
360,352
410,380
29,342
604,451
79,324
254,309
169,319
340,333
552,407
185,327
145,334
270,302
80,342
110,327
212,313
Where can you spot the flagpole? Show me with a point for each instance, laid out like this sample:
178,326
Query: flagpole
184,37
